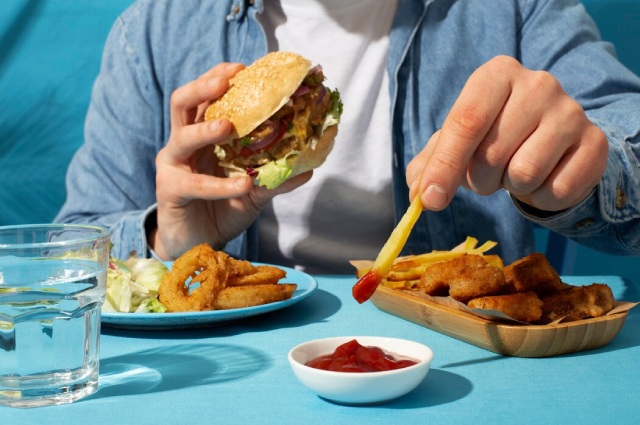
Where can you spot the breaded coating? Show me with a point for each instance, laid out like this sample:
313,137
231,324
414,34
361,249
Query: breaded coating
260,275
252,295
204,279
578,302
532,273
463,278
525,306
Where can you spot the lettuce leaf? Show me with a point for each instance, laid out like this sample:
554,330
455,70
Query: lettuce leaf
132,286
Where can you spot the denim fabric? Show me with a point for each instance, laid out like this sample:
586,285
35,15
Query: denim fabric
158,45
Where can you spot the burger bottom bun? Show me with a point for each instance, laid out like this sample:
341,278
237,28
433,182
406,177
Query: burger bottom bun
309,159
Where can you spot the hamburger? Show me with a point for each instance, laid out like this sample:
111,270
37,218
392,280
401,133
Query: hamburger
284,119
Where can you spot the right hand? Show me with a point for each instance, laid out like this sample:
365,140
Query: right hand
196,202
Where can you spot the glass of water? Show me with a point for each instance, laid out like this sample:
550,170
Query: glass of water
52,286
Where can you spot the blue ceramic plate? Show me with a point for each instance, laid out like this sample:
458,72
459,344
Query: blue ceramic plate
307,285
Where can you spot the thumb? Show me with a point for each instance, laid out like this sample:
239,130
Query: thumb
262,195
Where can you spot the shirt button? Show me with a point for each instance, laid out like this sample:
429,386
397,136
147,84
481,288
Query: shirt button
621,198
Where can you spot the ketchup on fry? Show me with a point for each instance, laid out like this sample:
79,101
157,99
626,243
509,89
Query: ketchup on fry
366,286
353,357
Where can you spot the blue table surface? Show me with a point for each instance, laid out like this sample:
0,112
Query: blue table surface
239,373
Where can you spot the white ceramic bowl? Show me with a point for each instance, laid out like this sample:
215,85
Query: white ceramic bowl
365,387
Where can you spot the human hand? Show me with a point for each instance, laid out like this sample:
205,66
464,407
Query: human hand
196,202
514,129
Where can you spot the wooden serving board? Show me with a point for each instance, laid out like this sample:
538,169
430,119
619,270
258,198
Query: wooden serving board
501,338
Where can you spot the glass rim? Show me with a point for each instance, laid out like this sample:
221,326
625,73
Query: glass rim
101,232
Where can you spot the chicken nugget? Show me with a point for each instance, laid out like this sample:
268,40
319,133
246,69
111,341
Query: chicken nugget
532,273
525,306
578,302
463,278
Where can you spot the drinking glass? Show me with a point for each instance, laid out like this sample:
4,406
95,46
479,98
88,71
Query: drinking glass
52,286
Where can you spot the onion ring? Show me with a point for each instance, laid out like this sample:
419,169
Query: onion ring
199,267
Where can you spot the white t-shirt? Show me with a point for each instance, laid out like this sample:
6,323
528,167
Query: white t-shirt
345,211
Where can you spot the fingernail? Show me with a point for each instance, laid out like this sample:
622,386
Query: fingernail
241,183
435,197
214,126
413,188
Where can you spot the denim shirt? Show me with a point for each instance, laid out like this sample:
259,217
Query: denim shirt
157,46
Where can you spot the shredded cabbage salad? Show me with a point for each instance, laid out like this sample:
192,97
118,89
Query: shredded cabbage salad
132,286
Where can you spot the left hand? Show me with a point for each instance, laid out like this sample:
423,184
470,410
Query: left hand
196,202
515,129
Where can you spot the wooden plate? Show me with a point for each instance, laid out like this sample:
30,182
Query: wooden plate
500,338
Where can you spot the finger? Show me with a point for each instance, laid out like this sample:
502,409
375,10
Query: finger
532,164
418,164
261,195
191,138
533,92
187,186
574,176
210,85
293,183
560,129
469,121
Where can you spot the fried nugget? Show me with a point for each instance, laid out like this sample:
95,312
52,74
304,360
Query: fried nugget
578,302
463,278
525,306
532,273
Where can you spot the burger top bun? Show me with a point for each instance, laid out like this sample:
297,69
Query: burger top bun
259,90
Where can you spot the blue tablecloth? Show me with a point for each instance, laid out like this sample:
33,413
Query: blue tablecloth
238,373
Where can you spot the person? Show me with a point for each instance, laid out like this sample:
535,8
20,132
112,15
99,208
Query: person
496,114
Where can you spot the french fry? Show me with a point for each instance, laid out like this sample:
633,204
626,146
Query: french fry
402,284
494,260
367,284
426,259
405,272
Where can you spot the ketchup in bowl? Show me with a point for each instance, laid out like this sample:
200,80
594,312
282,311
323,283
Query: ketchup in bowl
354,357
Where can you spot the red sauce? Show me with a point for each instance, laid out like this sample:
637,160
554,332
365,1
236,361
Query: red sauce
353,357
366,286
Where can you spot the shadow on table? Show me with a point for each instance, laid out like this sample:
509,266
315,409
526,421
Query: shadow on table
439,387
175,367
317,308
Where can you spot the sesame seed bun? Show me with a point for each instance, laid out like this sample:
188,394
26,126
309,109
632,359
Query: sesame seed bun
258,91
